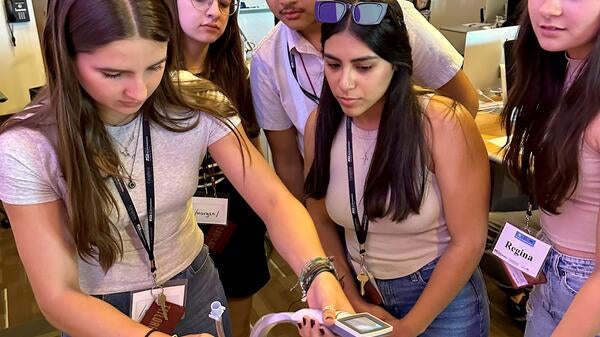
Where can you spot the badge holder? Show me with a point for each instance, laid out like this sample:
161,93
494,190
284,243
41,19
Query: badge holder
211,207
519,279
521,254
211,211
161,307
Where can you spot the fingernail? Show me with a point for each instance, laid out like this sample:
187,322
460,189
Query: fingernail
304,320
299,326
312,323
322,331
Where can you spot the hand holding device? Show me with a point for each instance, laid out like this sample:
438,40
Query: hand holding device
360,325
346,324
326,291
360,305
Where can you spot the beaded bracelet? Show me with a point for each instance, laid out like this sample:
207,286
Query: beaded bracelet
150,332
310,271
154,330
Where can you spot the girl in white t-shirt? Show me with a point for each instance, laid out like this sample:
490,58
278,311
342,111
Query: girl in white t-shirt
97,177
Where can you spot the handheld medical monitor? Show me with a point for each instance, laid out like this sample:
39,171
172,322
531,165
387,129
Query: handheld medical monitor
361,325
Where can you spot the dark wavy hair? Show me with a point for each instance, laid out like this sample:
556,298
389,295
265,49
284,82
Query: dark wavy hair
398,170
226,67
546,120
84,149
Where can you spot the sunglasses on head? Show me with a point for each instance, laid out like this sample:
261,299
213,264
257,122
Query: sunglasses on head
363,13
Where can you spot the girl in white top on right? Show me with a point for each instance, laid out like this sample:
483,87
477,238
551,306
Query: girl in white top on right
554,153
419,171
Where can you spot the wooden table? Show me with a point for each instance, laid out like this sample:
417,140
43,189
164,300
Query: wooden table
491,132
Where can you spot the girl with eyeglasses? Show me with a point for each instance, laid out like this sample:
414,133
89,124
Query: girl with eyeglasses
553,112
210,46
97,178
406,176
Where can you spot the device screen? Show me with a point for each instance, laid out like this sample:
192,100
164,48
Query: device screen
363,324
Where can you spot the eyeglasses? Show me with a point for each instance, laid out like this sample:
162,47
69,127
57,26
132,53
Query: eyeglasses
363,13
225,6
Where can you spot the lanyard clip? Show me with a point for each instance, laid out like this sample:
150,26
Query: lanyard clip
528,215
363,254
153,272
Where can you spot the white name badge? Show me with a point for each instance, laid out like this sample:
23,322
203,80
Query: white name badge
521,250
210,210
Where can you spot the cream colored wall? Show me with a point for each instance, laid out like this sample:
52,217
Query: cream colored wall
21,67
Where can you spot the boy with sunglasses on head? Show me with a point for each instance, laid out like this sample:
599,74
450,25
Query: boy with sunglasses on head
287,74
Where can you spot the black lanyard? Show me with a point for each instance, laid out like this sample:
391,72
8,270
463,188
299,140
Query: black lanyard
306,93
360,228
131,211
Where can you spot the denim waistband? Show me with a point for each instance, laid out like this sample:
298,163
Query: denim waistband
196,265
560,262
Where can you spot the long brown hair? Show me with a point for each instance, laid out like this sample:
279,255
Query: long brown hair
84,149
547,120
225,66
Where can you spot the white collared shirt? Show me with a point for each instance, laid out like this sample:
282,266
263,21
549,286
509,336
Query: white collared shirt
278,98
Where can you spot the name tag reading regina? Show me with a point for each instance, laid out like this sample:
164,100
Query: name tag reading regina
521,250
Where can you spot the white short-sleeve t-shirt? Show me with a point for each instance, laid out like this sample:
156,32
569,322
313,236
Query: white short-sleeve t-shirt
30,174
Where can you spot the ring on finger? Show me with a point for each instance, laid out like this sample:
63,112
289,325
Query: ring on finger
329,307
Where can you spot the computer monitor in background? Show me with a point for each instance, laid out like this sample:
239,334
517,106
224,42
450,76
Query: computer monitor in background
484,54
456,12
493,9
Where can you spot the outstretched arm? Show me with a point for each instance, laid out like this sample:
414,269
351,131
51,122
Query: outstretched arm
289,225
436,63
461,90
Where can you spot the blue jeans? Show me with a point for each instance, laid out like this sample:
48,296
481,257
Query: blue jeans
548,302
467,315
203,288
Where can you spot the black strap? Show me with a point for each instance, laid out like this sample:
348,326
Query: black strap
131,211
306,93
361,228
